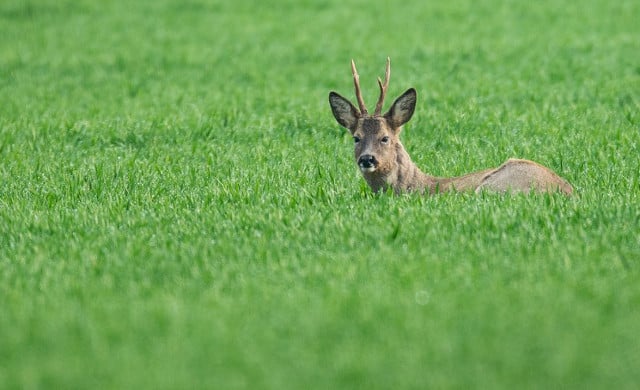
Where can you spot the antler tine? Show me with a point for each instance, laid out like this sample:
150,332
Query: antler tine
356,82
383,87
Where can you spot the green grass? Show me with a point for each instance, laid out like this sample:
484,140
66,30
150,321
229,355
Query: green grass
179,209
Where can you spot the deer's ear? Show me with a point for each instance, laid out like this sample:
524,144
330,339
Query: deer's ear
345,113
402,109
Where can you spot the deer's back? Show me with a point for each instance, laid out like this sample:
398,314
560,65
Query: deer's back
520,175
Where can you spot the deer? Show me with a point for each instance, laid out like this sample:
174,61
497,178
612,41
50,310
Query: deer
386,165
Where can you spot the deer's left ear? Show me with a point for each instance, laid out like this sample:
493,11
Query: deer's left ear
402,109
345,113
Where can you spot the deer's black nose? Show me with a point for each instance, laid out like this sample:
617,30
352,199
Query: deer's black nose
367,161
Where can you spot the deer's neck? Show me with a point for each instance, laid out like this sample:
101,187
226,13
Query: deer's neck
405,176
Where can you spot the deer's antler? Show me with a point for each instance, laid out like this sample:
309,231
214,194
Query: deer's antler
383,87
356,82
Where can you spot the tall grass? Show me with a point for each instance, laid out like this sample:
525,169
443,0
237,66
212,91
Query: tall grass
178,207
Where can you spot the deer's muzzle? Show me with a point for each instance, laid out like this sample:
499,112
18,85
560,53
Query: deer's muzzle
367,163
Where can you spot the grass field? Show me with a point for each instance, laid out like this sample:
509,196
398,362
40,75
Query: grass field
179,209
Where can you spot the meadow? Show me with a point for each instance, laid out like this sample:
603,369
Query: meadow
179,208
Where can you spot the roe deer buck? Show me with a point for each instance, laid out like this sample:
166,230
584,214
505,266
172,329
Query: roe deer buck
385,163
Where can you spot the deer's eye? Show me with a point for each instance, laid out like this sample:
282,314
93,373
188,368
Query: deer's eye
356,139
384,140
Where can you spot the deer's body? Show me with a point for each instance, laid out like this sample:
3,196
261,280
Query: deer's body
385,163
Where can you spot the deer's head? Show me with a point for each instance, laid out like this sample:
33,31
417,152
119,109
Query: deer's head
375,136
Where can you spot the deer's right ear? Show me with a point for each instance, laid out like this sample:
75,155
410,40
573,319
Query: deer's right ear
345,113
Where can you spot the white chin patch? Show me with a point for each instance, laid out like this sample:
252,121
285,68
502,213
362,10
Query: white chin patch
368,170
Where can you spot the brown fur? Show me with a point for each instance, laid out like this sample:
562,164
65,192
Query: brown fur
386,164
